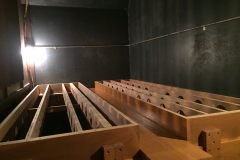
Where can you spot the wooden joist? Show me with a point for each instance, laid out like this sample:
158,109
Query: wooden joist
190,104
116,117
73,119
11,119
214,100
182,110
36,125
8,101
94,117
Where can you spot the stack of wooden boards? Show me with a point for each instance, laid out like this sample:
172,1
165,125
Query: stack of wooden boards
203,119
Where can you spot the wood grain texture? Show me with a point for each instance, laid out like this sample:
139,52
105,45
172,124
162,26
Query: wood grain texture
86,145
198,93
226,122
94,117
26,103
187,100
7,102
169,105
73,119
112,113
38,120
168,119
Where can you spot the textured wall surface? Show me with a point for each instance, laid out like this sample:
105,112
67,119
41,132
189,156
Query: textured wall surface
10,48
84,65
197,59
81,26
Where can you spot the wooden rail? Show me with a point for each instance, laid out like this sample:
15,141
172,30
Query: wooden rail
8,101
185,94
73,119
214,100
91,113
182,110
16,114
187,103
113,115
36,125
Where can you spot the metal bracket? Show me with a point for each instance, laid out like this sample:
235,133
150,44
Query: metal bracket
211,140
113,152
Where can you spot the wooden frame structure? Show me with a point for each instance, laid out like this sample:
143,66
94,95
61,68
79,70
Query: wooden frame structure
104,119
203,119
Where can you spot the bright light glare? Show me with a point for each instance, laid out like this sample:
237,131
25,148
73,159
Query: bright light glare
37,55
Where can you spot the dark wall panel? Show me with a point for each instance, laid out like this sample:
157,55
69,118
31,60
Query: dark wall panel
78,26
153,18
200,60
107,4
11,68
83,65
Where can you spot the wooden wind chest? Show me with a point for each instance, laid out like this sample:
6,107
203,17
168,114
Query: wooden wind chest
206,120
111,133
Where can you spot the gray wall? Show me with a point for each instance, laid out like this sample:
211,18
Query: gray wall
196,59
64,26
11,70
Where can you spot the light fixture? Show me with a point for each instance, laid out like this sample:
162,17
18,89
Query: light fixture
34,54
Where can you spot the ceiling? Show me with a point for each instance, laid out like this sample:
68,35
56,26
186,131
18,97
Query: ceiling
105,4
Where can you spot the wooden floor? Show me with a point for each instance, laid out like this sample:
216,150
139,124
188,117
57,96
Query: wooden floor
157,142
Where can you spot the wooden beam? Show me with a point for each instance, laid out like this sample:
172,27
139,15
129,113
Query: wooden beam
75,145
13,97
197,93
172,121
36,125
112,113
185,111
52,109
190,104
94,117
25,104
73,119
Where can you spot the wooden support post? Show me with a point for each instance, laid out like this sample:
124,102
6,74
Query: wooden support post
94,117
113,152
36,125
73,119
11,119
211,140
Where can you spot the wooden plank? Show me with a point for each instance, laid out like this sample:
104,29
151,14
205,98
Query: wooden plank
190,104
158,102
25,104
198,93
7,102
157,148
94,117
73,119
36,125
60,108
230,150
167,119
112,113
32,111
78,145
188,95
226,122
